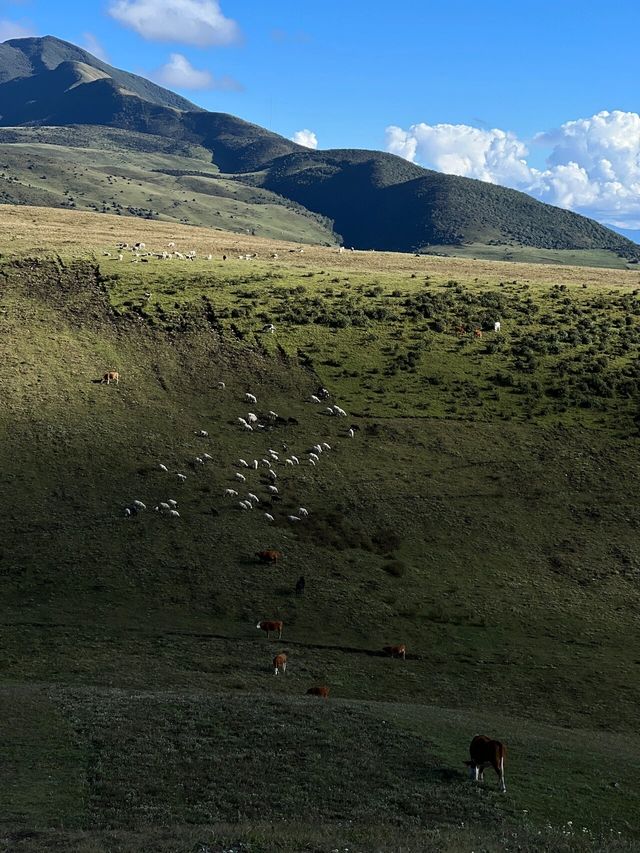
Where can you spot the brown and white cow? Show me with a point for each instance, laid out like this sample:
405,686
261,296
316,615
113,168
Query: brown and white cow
269,625
399,651
111,376
484,753
477,333
268,556
280,663
322,692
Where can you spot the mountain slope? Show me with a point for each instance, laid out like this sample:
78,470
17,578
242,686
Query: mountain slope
30,56
375,200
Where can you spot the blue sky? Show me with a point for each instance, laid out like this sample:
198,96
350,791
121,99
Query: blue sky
542,96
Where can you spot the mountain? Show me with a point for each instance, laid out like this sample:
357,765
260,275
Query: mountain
374,199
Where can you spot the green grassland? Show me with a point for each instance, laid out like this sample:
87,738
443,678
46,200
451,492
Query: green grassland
149,177
534,255
485,513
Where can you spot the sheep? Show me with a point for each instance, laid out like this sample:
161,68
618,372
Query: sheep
243,505
272,474
241,477
250,398
288,462
266,462
269,517
326,446
496,326
312,462
163,468
273,490
269,327
315,399
173,504
330,411
273,415
253,497
127,512
139,505
314,456
318,447
165,507
207,457
198,461
182,477
351,433
221,385
294,518
242,421
248,427
174,513
340,411
230,493
202,433
255,464
247,504
252,418
296,460
303,512
244,463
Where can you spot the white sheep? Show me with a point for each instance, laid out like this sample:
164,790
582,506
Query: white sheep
243,422
315,399
165,506
182,477
269,327
174,513
326,446
198,460
330,411
314,456
163,467
248,427
273,489
127,512
351,433
303,512
296,460
172,504
496,326
269,517
243,505
202,433
288,462
266,462
207,457
272,474
250,398
312,462
253,497
241,477
294,518
273,415
243,462
252,418
221,385
139,505
340,411
318,447
230,493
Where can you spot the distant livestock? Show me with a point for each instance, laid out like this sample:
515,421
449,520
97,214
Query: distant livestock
496,326
485,752
250,398
269,556
322,692
477,333
109,377
271,626
399,651
280,663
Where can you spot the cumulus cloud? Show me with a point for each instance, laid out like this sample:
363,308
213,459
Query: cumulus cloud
179,73
593,164
91,43
305,137
15,29
197,22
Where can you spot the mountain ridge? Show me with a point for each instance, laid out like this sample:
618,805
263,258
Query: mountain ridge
375,199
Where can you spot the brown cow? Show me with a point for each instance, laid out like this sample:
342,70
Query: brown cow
268,556
477,333
322,692
461,330
111,376
486,752
270,625
280,663
396,651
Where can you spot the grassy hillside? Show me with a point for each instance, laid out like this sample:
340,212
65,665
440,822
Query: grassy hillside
485,513
143,176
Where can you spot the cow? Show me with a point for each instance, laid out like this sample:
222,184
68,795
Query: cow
300,585
477,333
322,692
268,556
269,625
280,663
486,752
461,330
110,376
399,651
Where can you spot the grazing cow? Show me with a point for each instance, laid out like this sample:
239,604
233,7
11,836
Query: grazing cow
486,752
300,585
109,377
280,663
399,651
322,692
269,625
268,556
477,333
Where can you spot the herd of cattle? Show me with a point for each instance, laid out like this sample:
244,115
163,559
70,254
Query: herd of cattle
484,751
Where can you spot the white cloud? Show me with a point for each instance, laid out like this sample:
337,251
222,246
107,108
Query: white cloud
91,43
179,73
15,29
593,165
197,22
305,137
